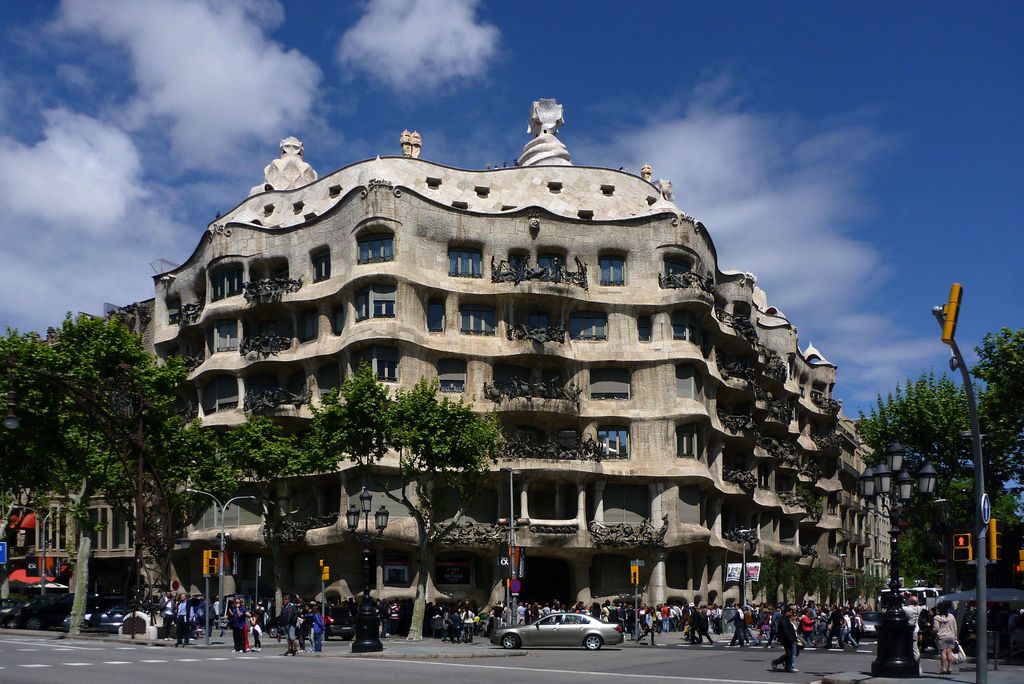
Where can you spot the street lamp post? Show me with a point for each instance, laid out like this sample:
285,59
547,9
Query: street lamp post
220,560
895,656
367,621
510,609
743,536
842,578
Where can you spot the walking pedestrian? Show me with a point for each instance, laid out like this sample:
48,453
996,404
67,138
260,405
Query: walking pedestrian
790,644
739,629
167,611
945,637
256,628
286,623
237,617
182,620
318,630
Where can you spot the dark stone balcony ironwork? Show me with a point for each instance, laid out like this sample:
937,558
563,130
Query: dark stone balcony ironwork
687,280
832,440
257,401
264,345
741,478
269,289
290,531
625,535
192,361
741,324
521,271
828,405
188,314
472,533
580,450
736,422
791,499
809,551
780,411
739,370
552,333
774,367
518,388
571,528
810,470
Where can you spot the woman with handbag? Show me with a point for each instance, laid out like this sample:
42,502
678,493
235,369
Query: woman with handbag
945,638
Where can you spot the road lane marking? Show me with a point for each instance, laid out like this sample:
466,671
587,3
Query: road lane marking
34,665
28,649
75,664
216,658
116,662
188,660
624,675
125,648
152,661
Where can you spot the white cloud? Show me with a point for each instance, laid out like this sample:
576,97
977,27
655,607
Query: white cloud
206,70
80,227
419,45
781,198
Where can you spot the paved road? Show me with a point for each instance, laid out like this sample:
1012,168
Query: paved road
42,659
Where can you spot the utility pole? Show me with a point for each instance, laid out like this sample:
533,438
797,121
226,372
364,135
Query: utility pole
947,317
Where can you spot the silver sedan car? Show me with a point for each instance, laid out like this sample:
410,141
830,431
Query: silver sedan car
560,629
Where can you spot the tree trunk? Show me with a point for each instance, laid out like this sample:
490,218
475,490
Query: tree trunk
419,608
81,587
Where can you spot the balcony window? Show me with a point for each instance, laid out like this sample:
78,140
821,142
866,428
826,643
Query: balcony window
220,394
173,310
539,319
321,266
687,441
435,315
609,383
686,381
614,441
328,378
226,283
464,263
451,375
225,336
588,326
376,301
382,360
309,325
684,326
613,270
643,328
376,248
676,266
476,320
764,474
550,260
506,372
338,319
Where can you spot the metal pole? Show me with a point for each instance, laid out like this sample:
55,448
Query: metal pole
206,577
842,577
220,566
981,529
636,612
43,545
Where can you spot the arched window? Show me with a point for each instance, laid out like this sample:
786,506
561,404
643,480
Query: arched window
684,326
376,248
376,301
688,441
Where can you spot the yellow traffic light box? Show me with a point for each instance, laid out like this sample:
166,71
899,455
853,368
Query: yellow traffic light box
634,575
211,562
963,547
995,540
950,312
325,573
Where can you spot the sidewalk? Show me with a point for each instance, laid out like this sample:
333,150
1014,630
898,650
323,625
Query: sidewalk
1009,675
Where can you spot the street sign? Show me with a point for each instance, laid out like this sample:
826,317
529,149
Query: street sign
986,509
504,566
3,553
515,586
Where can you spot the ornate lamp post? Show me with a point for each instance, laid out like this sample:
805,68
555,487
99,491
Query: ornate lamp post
743,536
895,656
367,621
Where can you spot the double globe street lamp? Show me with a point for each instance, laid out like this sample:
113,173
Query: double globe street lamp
892,493
367,620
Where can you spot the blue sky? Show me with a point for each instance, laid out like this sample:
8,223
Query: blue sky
857,157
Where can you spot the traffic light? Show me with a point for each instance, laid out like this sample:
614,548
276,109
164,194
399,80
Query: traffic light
634,575
963,547
950,311
995,540
211,562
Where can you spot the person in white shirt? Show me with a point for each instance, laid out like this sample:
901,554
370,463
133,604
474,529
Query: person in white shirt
912,609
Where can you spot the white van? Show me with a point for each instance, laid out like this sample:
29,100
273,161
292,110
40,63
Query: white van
927,596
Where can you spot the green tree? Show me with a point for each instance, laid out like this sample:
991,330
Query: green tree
263,455
1001,367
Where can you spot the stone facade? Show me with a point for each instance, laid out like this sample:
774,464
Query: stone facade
652,401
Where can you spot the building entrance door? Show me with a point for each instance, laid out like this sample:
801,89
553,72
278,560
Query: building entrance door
547,579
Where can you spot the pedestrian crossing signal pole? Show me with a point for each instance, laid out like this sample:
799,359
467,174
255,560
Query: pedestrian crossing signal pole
634,579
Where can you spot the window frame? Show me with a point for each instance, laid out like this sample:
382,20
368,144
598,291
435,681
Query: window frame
461,257
583,321
304,318
688,330
375,248
321,261
455,384
477,313
226,282
621,434
217,337
606,375
376,357
611,280
432,306
688,434
371,302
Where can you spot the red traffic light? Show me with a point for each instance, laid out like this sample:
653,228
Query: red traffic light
961,541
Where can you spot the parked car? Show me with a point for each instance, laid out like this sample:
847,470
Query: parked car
560,629
41,612
7,605
102,619
340,623
871,620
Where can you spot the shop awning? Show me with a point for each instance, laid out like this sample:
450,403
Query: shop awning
20,577
25,521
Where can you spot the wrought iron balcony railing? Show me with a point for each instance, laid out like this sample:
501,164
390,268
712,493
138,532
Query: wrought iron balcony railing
518,388
257,401
520,270
269,289
264,345
687,280
551,333
626,535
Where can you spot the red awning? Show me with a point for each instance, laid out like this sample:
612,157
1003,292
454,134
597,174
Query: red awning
26,521
21,577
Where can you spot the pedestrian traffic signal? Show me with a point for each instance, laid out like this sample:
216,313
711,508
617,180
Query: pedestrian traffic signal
995,540
950,311
634,575
963,547
211,562
325,573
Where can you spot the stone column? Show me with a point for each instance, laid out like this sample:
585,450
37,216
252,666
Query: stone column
581,581
379,574
559,501
657,589
524,506
581,506
599,501
656,489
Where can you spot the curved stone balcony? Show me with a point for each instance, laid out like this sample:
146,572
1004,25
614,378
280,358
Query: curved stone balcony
828,485
682,534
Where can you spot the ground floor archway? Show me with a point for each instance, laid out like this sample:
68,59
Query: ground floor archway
545,580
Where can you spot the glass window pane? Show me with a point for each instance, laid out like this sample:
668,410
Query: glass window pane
686,441
539,319
464,263
451,374
321,266
614,441
226,336
685,381
609,383
309,325
477,320
376,248
643,328
435,315
676,266
684,326
338,319
613,270
588,326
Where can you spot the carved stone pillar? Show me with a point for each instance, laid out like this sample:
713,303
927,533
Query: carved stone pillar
655,490
581,581
379,574
657,589
599,501
581,506
524,506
